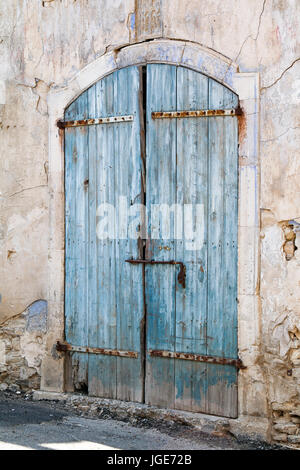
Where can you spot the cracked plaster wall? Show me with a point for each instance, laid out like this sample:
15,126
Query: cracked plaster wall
44,43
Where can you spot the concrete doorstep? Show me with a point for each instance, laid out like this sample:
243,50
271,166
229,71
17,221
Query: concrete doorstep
243,429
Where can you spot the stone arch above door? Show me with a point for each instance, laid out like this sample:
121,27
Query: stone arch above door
182,53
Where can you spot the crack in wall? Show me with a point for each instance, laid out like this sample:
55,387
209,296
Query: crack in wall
248,37
26,189
41,90
279,136
282,74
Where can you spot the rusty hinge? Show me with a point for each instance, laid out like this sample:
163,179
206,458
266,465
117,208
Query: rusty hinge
195,114
94,122
181,275
66,347
198,358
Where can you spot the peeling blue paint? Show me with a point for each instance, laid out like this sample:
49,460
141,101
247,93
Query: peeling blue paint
36,316
132,21
296,228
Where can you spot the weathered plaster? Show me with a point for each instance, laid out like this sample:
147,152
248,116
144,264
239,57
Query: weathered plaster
44,44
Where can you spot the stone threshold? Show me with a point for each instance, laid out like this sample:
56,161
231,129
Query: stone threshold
243,428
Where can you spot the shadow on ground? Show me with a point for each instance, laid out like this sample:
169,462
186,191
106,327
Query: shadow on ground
25,424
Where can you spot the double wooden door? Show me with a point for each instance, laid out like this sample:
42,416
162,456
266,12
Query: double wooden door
151,220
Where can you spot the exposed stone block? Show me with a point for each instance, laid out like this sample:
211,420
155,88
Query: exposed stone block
295,411
295,419
280,437
283,407
294,439
286,428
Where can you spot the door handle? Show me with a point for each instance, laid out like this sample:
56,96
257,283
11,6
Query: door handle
182,272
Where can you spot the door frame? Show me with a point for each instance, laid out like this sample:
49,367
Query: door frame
246,86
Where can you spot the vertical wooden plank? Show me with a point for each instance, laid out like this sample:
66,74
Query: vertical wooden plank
76,235
191,302
70,264
102,333
160,279
129,285
231,228
222,254
93,245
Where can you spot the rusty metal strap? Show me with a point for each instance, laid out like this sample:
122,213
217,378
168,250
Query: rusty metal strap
198,358
197,114
94,122
66,347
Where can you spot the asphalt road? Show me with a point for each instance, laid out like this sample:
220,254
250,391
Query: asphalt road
27,425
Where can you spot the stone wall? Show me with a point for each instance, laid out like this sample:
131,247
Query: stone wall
22,348
43,44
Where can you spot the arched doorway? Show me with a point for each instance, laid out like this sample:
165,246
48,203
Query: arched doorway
154,178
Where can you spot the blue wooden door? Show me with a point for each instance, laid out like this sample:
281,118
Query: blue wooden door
104,304
135,330
192,162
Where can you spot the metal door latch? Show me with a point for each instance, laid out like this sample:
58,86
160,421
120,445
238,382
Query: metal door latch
181,275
